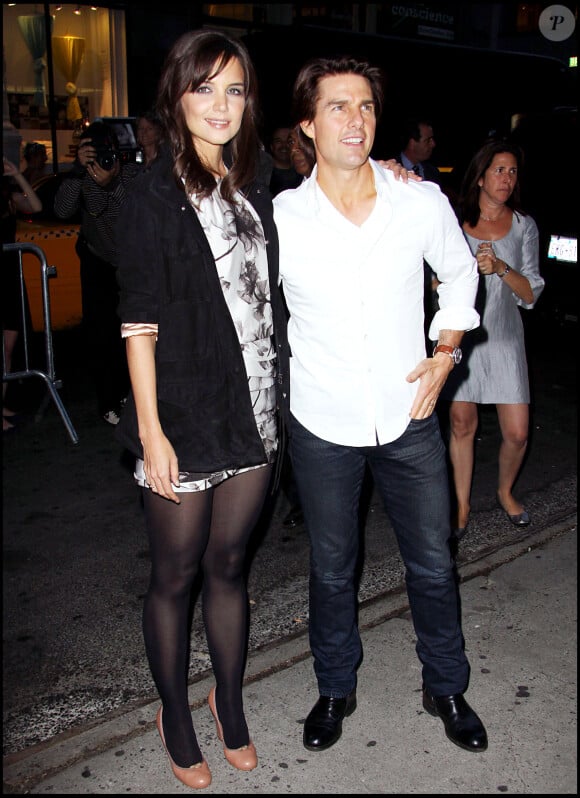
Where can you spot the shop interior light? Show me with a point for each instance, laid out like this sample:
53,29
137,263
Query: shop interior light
77,11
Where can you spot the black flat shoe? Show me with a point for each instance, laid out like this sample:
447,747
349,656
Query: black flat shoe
459,532
517,519
521,519
462,726
323,726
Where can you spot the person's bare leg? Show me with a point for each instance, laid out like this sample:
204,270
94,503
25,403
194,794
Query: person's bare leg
514,424
463,420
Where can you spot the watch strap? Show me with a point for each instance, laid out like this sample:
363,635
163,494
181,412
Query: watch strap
454,352
448,350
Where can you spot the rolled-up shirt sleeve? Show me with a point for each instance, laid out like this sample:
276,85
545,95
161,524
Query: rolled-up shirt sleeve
456,268
128,329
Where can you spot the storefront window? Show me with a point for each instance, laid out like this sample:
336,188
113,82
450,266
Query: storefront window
62,69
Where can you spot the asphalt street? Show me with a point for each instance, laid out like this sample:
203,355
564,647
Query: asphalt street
76,564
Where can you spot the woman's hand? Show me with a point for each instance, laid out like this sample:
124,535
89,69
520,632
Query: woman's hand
159,459
161,467
9,168
86,153
487,262
86,156
103,177
26,200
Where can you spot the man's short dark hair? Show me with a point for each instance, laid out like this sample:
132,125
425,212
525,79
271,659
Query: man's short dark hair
307,92
410,129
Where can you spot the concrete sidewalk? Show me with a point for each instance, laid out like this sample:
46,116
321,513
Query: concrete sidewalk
519,610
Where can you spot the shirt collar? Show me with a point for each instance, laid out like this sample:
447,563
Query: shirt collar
381,182
384,180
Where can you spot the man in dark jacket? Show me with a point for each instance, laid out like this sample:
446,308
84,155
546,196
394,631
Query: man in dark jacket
417,145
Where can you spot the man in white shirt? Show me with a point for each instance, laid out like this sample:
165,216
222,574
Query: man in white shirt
363,392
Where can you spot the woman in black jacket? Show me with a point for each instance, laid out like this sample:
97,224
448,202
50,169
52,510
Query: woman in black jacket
206,344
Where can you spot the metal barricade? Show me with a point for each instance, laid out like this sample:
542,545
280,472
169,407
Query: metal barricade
49,375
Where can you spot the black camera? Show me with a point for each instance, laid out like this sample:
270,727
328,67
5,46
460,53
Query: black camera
104,140
106,158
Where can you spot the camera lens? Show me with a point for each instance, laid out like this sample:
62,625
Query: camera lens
107,159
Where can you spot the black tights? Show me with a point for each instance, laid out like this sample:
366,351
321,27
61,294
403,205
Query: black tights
209,530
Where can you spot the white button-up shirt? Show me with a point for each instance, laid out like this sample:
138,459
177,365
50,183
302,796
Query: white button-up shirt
355,298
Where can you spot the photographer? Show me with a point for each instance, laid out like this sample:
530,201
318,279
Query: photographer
97,187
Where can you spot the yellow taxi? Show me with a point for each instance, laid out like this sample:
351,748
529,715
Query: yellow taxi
57,238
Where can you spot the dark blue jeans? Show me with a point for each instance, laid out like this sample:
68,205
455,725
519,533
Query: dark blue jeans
411,476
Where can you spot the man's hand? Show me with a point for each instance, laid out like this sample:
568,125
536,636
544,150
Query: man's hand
433,372
399,170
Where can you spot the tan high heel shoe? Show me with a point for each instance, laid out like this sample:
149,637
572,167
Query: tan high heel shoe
244,758
196,776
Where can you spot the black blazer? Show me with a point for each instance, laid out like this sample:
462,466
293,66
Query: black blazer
167,275
430,171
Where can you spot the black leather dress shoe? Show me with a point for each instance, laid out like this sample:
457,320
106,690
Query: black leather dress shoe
462,725
323,726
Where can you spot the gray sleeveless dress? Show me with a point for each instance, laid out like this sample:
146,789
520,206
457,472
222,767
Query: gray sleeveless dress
494,368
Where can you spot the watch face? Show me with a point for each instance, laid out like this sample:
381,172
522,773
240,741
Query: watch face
457,355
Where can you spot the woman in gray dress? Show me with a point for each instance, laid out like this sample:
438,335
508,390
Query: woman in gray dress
494,369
